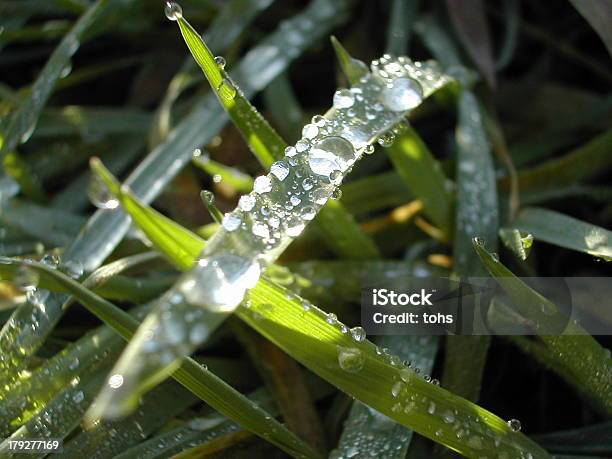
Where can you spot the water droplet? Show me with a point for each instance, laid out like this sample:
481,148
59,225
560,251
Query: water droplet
294,226
220,61
435,382
115,381
231,222
246,202
308,213
217,178
310,131
336,194
343,98
261,230
386,140
262,184
99,194
290,151
307,184
280,170
319,120
331,318
368,150
78,397
331,154
73,268
350,359
173,11
402,94
396,389
302,145
227,89
220,282
358,334
306,305
515,425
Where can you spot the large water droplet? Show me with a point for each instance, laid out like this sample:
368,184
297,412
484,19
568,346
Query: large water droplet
343,98
350,359
402,94
173,11
220,281
220,61
515,425
331,154
99,194
358,334
262,184
246,203
231,222
280,170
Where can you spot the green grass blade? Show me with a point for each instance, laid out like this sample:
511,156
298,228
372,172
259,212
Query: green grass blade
518,243
587,363
564,231
424,178
284,107
189,373
308,337
265,143
241,182
352,68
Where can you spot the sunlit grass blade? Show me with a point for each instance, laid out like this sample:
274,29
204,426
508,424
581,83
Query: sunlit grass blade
265,143
105,229
189,373
588,364
516,241
315,339
564,231
424,178
352,68
268,146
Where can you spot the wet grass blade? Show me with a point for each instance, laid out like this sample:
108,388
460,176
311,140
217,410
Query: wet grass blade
564,231
190,374
317,341
401,18
586,362
265,143
267,146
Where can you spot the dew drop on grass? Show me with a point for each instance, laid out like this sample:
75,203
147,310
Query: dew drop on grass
99,194
173,11
331,318
401,94
220,61
343,98
280,170
331,154
262,185
350,359
231,222
220,282
358,334
336,194
246,203
515,425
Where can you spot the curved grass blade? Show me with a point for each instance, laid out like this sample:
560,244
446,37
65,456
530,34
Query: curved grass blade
199,380
599,15
105,229
587,363
564,231
315,339
353,69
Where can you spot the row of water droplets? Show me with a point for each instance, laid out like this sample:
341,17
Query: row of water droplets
266,220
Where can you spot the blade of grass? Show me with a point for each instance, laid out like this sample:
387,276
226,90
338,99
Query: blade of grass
587,363
401,18
599,15
267,145
564,231
203,383
310,338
